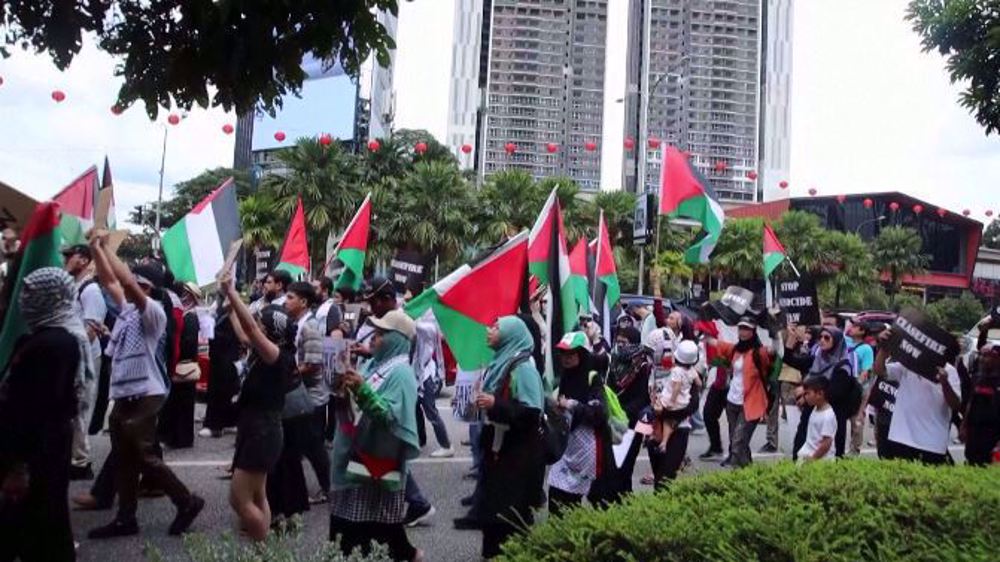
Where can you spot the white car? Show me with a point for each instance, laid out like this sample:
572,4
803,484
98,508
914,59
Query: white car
968,342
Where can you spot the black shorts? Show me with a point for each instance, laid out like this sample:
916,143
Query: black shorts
259,440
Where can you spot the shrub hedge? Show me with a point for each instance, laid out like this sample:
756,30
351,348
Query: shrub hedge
849,510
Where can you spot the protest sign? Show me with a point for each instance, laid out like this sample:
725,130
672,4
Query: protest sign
734,303
797,298
15,208
409,270
919,345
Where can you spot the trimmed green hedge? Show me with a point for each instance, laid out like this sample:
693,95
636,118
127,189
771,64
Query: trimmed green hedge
849,510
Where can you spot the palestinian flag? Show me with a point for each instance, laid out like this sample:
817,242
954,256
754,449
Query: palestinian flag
578,277
77,202
606,291
196,247
473,297
774,251
295,250
685,193
106,183
353,246
40,245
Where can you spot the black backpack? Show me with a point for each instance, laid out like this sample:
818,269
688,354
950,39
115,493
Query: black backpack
553,429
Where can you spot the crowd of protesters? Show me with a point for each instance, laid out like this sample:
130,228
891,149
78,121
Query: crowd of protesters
345,380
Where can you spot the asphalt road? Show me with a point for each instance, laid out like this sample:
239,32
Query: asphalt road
440,479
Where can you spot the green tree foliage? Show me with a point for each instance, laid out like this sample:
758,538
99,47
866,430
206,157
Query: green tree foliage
619,214
956,315
967,33
508,203
851,270
739,254
898,251
238,55
805,241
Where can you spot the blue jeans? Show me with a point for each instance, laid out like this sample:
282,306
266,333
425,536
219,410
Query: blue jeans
414,497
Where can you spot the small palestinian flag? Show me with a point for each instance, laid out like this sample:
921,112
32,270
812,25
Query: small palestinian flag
40,245
578,278
77,202
106,183
607,273
353,246
473,297
196,247
685,193
294,256
774,251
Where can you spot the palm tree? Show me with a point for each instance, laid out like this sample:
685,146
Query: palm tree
897,252
577,211
259,221
508,203
852,264
738,253
619,214
802,235
668,267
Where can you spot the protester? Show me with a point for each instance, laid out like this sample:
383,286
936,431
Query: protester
818,444
718,387
274,287
673,398
176,427
588,452
511,400
746,401
92,310
921,421
329,313
138,387
629,376
864,359
8,249
981,423
371,452
38,413
259,436
224,351
831,360
428,364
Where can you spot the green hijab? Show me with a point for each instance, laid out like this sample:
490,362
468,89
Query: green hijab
526,383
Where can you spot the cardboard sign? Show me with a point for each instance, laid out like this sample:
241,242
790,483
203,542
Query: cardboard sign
733,304
15,208
103,208
409,270
797,298
919,345
234,251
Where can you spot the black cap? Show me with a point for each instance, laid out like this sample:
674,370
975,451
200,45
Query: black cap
77,250
379,287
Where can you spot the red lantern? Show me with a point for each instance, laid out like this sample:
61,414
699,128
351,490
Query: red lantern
783,184
227,128
325,139
551,148
868,203
918,208
279,136
116,109
629,143
1,80
653,142
720,166
420,147
58,96
590,146
752,175
812,192
942,212
966,212
510,148
173,119
989,213
374,145
841,198
894,206
466,148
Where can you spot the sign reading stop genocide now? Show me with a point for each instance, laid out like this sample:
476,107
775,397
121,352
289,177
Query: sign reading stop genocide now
797,298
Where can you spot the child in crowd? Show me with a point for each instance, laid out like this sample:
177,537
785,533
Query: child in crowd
822,422
674,392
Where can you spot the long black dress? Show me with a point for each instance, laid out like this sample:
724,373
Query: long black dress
223,382
37,405
176,424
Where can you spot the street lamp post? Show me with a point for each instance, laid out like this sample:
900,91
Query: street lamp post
879,218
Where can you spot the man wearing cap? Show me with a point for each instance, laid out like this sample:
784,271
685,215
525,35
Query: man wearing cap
90,304
139,388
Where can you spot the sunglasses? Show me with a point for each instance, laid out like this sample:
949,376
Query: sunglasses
826,337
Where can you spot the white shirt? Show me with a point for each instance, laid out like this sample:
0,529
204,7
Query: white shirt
93,309
822,423
922,418
735,395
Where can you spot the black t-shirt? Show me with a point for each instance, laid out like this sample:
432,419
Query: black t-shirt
984,401
264,387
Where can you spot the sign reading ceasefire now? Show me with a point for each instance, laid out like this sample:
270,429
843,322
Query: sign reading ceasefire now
919,345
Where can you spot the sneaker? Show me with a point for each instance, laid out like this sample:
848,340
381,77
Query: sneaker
709,455
206,432
81,472
186,515
319,498
114,529
418,516
768,448
87,502
443,453
467,523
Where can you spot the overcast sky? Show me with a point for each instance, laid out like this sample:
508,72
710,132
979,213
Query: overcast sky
870,112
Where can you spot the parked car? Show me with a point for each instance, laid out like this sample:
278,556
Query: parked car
968,343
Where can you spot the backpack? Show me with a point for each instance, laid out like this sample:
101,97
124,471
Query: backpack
617,419
553,428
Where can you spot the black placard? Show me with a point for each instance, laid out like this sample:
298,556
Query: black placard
919,345
734,303
797,298
409,270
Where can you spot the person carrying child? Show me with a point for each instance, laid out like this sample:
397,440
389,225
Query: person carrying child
673,395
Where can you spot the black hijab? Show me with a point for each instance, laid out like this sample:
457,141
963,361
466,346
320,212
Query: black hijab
575,383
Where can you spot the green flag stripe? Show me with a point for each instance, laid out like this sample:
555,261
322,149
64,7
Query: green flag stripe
354,268
177,250
772,261
297,272
465,336
613,291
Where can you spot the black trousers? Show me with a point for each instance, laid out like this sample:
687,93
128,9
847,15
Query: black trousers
666,464
314,449
715,405
361,534
176,426
286,483
905,452
102,398
979,443
559,501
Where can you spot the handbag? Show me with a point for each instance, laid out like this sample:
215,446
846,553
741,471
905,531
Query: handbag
187,371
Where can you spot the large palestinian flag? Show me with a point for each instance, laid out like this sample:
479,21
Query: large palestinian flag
353,246
294,256
774,251
685,193
40,244
473,297
77,202
196,246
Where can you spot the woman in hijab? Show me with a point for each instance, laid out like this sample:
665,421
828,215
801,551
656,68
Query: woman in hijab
588,453
38,401
258,433
371,450
512,401
176,424
629,377
829,359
